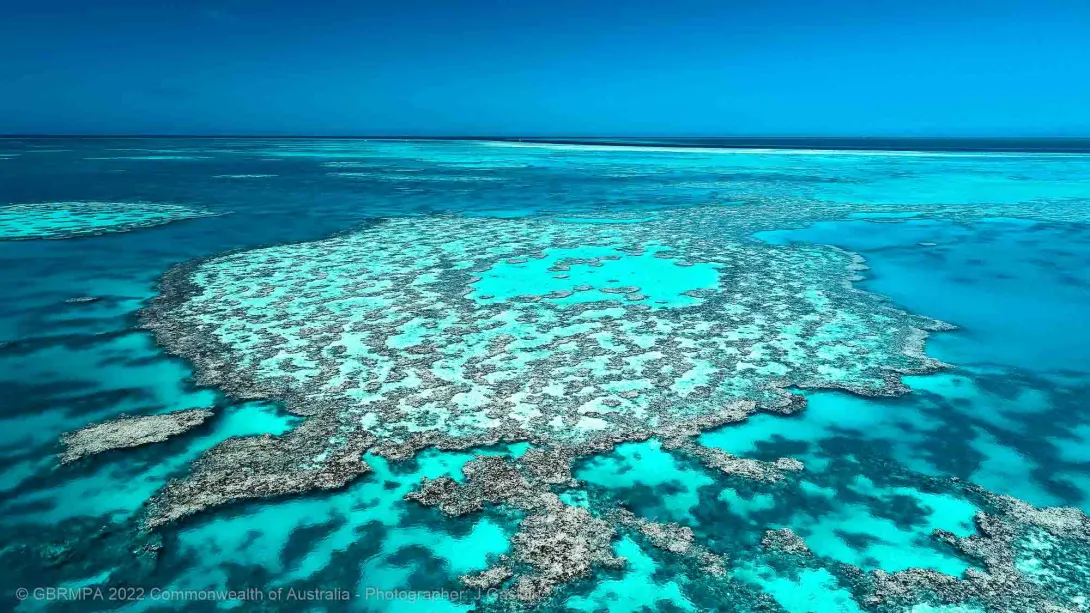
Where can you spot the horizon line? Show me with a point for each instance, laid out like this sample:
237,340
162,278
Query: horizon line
554,136
1079,145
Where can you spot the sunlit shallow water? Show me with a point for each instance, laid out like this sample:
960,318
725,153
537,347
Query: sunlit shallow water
996,245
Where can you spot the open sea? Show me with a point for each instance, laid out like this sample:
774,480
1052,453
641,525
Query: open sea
782,375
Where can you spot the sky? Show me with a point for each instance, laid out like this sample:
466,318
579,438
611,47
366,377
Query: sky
556,67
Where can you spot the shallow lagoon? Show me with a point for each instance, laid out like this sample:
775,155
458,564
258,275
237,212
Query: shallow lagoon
995,244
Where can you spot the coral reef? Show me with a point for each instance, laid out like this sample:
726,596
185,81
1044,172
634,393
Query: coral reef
420,333
556,543
560,543
59,220
129,432
674,538
746,468
260,467
387,331
785,541
1033,559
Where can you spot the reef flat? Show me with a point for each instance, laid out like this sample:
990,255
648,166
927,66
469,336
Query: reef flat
399,332
605,378
59,220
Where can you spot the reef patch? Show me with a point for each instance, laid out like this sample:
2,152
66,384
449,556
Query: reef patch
60,220
387,331
133,431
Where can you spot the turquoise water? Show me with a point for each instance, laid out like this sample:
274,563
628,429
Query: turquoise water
642,278
907,325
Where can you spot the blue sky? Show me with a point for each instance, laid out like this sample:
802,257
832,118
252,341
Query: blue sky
623,67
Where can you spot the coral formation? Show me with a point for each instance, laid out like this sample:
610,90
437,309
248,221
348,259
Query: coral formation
384,331
129,432
1031,559
420,332
259,467
58,220
556,543
728,464
674,538
785,541
1034,560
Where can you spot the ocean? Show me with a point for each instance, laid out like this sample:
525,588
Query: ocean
662,374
